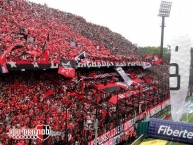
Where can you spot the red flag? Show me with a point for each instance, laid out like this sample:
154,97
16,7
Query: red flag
147,79
158,61
113,99
45,54
67,72
2,59
155,58
3,67
137,80
67,68
69,102
148,56
98,98
34,53
50,92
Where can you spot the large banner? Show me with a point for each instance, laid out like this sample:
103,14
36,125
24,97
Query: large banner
179,74
126,78
169,130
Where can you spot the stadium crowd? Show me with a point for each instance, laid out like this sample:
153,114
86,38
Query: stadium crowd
28,99
34,32
44,34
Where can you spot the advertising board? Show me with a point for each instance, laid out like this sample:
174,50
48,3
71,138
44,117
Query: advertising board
169,130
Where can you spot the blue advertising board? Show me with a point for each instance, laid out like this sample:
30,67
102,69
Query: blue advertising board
169,130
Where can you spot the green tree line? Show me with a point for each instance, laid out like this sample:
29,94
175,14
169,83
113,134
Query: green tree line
156,51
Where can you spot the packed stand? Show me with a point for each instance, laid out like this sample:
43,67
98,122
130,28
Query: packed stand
40,33
24,103
34,32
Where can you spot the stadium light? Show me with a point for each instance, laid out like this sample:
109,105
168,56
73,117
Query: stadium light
164,11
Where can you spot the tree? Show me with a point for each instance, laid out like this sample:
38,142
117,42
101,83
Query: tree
156,51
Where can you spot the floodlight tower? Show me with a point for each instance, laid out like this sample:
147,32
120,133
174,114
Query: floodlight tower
164,11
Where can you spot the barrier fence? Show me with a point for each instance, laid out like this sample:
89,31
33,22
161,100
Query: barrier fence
112,136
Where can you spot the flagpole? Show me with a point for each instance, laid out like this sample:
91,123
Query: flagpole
107,116
96,124
30,141
117,110
96,131
66,128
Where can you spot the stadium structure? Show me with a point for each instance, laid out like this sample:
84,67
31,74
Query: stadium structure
71,81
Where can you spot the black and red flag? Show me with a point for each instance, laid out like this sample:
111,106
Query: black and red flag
108,88
67,68
81,58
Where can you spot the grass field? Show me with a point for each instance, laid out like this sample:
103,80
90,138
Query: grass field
188,118
152,141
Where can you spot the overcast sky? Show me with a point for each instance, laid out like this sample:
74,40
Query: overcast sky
136,20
